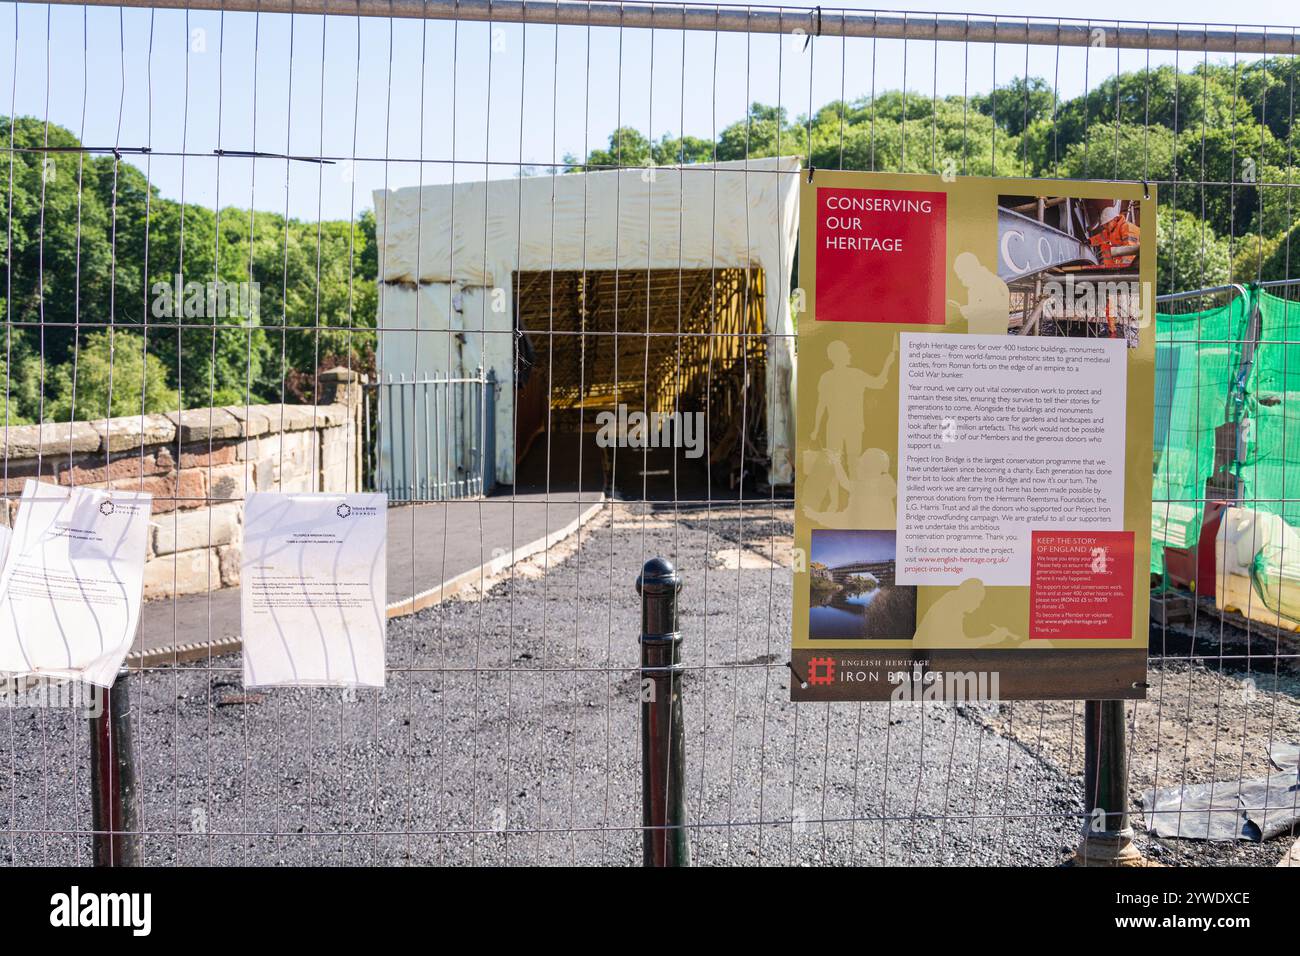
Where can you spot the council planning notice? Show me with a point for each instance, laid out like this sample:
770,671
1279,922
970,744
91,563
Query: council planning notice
1001,436
313,589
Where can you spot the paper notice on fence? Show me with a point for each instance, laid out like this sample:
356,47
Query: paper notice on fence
71,582
313,589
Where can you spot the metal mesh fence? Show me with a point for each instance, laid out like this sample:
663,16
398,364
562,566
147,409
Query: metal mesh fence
201,299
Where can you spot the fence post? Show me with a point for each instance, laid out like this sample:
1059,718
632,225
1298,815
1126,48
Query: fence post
114,811
489,427
663,743
1107,838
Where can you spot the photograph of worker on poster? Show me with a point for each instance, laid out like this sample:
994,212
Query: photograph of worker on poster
1071,266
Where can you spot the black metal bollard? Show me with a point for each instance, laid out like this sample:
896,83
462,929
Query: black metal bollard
114,810
663,734
1107,838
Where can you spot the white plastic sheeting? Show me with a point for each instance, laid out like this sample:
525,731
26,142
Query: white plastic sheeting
447,255
1245,532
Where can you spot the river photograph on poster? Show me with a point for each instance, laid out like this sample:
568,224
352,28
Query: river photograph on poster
853,595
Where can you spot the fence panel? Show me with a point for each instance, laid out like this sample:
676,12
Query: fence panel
230,226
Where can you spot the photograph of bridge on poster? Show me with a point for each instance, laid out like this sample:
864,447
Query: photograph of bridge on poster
853,591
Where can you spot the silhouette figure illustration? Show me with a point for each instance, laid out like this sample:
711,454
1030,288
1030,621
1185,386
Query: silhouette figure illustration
946,619
841,407
871,492
988,301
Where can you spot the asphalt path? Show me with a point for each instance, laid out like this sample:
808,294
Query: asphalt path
428,544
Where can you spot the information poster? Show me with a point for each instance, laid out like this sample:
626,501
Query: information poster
973,488
71,582
313,589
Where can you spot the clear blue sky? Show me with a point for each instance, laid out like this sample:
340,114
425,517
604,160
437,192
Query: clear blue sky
469,92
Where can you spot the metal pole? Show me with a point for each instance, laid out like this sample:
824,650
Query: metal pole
1107,838
792,20
114,809
490,432
663,734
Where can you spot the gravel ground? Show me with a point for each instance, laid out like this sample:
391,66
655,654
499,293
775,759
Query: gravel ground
1206,719
508,733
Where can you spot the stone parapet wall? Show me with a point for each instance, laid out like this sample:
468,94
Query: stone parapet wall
198,465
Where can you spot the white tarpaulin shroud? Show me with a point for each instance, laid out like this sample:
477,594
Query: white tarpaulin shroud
71,582
447,255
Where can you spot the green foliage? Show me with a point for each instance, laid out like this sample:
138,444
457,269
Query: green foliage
1018,104
630,147
113,376
11,396
1282,261
95,245
1189,255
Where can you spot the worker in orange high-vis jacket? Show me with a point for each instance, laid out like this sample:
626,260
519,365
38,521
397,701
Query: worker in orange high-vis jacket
1116,239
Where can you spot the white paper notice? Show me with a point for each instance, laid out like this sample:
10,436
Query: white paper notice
71,582
313,589
998,436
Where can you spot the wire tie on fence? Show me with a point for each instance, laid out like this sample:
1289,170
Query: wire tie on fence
817,27
1146,189
811,170
798,676
115,150
258,154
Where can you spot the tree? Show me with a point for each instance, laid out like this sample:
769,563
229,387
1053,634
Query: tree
95,245
1189,254
1018,104
112,376
1122,151
1283,260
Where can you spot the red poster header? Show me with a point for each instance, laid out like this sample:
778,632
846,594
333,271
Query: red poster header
881,256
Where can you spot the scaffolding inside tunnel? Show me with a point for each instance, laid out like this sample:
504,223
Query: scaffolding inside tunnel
665,342
1070,266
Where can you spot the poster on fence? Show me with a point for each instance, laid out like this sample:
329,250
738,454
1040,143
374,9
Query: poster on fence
314,589
973,481
71,582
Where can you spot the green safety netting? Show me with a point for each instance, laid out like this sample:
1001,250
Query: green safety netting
1198,356
1269,471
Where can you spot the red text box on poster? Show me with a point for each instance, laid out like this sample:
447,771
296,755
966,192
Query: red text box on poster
881,255
1081,585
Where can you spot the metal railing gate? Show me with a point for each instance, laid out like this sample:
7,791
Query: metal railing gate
436,437
349,159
